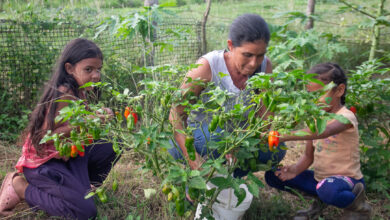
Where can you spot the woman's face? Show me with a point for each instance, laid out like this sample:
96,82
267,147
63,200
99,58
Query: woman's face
248,56
86,70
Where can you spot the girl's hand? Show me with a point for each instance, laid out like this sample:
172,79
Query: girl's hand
286,173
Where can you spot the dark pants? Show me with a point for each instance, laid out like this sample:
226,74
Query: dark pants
333,190
59,187
200,142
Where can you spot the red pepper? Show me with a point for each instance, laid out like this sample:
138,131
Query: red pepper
353,109
90,139
273,140
129,111
73,151
81,153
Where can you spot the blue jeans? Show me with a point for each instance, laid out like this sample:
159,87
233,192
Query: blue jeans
333,190
202,137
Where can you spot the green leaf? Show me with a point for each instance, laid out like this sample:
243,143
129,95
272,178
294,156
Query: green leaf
341,119
254,179
194,173
254,189
321,125
221,74
239,192
197,182
222,182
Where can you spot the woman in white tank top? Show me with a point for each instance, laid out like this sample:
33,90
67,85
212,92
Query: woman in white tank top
248,40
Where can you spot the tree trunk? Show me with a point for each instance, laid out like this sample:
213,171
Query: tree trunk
376,32
309,13
150,2
204,21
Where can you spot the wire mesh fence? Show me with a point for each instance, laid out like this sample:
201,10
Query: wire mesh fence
28,52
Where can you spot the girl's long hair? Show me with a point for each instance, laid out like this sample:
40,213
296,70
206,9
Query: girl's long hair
45,111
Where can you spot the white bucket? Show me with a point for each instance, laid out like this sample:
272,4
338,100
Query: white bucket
226,208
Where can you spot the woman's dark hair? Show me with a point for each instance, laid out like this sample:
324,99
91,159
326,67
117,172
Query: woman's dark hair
75,51
248,28
336,75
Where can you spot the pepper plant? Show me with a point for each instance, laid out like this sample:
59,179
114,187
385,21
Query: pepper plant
243,129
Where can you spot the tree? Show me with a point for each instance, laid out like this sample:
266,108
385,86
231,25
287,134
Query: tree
309,13
204,21
377,20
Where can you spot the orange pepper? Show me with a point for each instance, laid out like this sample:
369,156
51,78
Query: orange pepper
273,140
73,151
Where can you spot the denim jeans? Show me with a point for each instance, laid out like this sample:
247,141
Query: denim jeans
333,190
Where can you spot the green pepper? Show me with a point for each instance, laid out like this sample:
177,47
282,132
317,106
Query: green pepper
214,123
221,122
190,147
266,100
102,195
130,124
73,135
179,207
96,134
114,185
311,125
253,164
116,147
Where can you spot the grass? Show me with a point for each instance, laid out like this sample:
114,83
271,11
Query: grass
129,200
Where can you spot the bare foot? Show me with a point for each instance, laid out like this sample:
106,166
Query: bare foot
20,185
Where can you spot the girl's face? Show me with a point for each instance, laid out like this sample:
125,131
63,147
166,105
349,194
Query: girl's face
248,57
331,98
86,70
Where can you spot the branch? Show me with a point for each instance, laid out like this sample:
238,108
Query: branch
357,9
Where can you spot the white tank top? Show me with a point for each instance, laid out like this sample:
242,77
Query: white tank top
217,64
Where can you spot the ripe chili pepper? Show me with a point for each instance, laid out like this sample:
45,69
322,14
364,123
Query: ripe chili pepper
353,109
73,151
90,139
273,140
190,147
81,153
148,140
129,111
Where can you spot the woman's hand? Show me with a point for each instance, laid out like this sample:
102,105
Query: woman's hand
286,173
197,163
105,113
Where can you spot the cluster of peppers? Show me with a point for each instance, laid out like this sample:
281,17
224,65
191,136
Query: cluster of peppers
173,194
